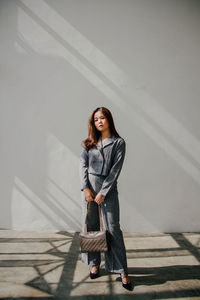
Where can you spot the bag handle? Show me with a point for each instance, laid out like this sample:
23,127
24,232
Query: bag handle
86,218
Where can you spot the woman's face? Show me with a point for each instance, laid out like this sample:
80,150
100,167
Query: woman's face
100,121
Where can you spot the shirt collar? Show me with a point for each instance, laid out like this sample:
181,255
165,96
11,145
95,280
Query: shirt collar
107,141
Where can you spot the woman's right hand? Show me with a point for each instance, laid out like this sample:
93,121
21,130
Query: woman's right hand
89,196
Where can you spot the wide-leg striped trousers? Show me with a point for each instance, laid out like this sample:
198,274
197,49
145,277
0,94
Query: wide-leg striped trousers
115,258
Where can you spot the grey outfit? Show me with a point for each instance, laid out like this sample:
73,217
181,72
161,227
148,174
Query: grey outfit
99,171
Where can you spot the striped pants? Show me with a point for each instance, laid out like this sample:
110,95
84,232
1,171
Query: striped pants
115,258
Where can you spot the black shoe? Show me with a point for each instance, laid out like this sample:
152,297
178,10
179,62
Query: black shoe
94,275
127,286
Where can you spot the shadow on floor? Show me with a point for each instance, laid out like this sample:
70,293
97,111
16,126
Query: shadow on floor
140,276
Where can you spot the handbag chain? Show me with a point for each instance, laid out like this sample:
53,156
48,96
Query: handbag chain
100,218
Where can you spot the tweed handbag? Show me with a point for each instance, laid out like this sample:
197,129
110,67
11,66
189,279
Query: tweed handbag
94,241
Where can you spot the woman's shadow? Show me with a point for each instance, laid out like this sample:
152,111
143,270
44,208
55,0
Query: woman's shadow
160,275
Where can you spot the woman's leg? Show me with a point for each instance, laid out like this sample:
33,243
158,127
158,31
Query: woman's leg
115,258
91,258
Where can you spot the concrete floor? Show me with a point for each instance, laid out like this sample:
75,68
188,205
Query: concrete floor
47,265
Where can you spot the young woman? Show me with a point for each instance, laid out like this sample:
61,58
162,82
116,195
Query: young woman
101,161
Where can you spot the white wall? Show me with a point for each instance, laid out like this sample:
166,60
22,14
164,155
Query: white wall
59,60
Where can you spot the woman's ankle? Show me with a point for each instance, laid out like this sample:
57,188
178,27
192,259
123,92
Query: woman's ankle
95,268
125,278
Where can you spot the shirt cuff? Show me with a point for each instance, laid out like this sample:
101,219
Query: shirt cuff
85,187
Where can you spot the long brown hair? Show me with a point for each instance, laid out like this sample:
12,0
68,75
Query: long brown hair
93,133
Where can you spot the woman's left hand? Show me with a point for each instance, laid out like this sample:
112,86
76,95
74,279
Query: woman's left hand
99,198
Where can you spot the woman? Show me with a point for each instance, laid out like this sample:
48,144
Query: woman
100,165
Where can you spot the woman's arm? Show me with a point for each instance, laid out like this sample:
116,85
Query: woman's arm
83,169
88,195
115,169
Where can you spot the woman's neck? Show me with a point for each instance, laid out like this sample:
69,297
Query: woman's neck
105,134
